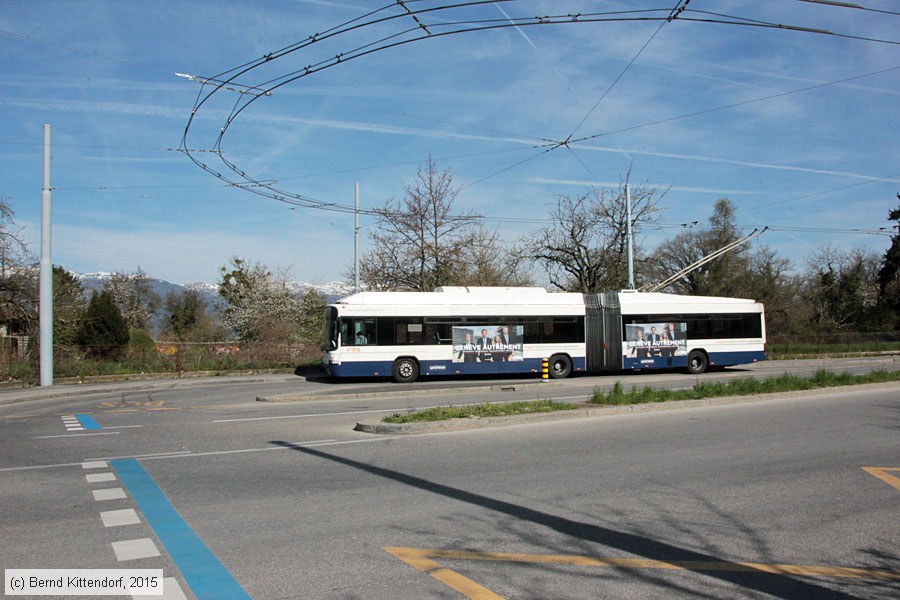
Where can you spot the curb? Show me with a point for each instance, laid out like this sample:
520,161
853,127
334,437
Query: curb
379,428
423,391
69,390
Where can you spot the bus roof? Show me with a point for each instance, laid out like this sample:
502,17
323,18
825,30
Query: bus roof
464,295
489,298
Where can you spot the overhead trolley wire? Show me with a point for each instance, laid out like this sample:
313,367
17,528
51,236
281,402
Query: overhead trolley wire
233,79
851,5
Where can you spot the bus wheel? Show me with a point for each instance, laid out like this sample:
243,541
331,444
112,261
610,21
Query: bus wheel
405,370
560,366
697,362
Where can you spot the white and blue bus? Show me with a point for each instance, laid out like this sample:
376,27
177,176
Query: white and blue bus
483,330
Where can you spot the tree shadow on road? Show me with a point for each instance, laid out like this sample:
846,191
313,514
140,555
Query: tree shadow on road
741,576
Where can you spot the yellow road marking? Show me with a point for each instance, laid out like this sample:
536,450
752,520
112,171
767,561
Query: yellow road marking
423,560
881,473
418,558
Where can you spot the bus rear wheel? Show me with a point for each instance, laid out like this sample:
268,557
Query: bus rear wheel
697,362
405,370
560,366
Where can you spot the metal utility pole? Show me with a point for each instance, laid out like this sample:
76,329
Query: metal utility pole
46,277
356,243
630,237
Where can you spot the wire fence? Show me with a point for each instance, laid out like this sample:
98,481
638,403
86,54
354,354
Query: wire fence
19,359
20,363
833,343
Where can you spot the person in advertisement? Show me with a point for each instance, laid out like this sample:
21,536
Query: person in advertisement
499,346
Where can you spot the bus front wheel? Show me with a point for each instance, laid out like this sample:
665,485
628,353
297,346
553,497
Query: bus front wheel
697,362
560,366
405,370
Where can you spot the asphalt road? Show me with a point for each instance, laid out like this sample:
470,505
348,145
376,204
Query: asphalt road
232,497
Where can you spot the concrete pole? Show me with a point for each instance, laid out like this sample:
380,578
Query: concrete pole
46,276
356,242
630,238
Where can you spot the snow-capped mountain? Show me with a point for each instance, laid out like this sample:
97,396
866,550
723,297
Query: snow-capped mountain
210,291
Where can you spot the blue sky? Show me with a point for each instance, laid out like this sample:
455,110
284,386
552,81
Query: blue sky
816,166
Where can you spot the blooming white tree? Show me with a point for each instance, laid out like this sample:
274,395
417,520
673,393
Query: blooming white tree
135,298
259,304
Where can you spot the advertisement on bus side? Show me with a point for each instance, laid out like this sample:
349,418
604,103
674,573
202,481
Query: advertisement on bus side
650,340
487,343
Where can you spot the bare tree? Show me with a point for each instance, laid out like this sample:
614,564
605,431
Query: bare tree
584,249
421,242
842,290
488,260
18,282
716,278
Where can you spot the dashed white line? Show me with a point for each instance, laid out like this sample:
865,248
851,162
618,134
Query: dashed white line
108,494
152,455
100,477
117,518
134,549
74,435
171,591
309,416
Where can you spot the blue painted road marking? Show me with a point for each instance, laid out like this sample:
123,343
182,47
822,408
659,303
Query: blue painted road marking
88,422
207,577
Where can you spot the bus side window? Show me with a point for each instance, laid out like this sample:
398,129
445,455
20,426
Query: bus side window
358,332
438,333
531,332
408,330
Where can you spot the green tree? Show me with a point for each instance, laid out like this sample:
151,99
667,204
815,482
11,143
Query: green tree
103,331
188,319
69,305
312,317
889,276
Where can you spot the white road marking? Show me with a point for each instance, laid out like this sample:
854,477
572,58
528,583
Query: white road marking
310,416
188,453
116,518
98,477
134,549
171,591
96,464
108,494
152,455
74,435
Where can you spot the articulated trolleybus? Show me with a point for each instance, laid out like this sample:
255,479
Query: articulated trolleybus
482,330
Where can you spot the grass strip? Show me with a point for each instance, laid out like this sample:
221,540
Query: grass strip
501,409
746,386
